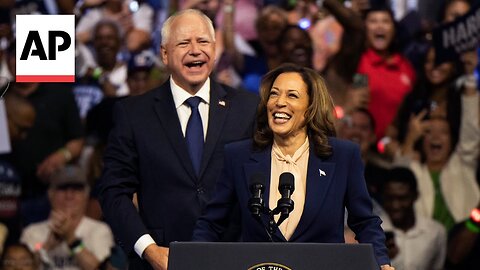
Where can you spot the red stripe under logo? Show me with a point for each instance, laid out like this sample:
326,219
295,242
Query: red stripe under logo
45,78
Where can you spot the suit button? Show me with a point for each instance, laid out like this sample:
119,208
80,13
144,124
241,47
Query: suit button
200,190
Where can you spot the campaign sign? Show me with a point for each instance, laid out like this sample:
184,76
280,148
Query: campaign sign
5,146
462,35
45,49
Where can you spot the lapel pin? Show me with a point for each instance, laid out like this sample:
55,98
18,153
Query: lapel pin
322,173
221,103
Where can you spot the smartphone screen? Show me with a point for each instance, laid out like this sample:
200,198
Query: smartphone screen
360,80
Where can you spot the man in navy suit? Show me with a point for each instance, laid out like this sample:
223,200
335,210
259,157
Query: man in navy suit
149,150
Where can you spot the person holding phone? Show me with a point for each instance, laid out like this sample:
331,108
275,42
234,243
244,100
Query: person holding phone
390,74
435,93
358,94
445,163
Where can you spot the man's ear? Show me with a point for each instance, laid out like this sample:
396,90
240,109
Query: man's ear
163,51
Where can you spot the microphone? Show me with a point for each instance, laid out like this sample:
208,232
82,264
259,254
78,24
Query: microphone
285,204
257,187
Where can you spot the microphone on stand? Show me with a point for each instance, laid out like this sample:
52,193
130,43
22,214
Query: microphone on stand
257,187
256,204
285,204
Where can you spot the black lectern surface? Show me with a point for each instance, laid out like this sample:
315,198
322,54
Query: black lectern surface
270,256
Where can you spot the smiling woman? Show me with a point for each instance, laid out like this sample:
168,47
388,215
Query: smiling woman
295,134
299,86
445,168
287,107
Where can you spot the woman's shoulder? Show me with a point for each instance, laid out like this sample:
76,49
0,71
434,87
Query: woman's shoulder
341,146
341,143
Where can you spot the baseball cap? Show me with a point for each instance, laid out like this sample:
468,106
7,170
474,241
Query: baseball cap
70,176
143,60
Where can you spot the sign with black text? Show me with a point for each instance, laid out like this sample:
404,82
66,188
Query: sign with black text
45,49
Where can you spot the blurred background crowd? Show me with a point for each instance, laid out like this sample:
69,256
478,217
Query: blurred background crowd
415,118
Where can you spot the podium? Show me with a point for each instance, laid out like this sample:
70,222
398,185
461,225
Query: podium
270,256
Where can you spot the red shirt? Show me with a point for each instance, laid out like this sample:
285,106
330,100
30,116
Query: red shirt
389,81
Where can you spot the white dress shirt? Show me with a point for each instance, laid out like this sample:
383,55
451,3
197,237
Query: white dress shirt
183,112
422,247
96,236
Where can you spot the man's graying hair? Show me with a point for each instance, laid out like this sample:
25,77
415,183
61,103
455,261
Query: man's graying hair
167,25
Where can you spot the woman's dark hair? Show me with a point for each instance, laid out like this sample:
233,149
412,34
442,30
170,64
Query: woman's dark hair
319,115
20,246
420,98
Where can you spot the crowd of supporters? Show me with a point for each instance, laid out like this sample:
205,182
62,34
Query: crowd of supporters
417,120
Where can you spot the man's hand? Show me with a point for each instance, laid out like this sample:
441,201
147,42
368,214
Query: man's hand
52,241
417,126
108,88
62,226
61,230
357,98
50,164
156,256
392,248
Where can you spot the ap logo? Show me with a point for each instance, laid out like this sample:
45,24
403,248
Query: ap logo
45,48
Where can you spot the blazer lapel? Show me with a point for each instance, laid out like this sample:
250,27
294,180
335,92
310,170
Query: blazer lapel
218,111
261,163
319,177
167,114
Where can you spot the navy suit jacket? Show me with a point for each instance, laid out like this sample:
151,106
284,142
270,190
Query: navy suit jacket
327,194
147,154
